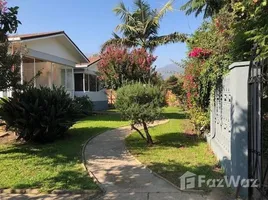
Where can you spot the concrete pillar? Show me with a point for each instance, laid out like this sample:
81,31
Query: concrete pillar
239,121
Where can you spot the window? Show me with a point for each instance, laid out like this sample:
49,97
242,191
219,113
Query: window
28,69
93,83
62,77
45,68
69,84
78,81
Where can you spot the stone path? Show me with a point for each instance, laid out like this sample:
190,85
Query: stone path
122,176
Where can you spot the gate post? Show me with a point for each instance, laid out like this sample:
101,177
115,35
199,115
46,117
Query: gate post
239,73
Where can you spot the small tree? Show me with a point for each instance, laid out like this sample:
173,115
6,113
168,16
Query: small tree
9,61
119,66
141,104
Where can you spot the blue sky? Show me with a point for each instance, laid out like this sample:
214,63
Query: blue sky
90,23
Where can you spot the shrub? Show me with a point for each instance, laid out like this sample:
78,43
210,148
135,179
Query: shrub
120,65
141,104
40,114
85,103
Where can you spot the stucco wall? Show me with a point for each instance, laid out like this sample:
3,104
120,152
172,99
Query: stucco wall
229,124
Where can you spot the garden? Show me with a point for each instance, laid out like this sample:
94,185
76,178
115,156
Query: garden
51,128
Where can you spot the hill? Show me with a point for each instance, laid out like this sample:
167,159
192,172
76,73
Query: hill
169,70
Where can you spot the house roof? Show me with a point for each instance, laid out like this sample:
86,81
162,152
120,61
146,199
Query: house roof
26,37
93,59
35,35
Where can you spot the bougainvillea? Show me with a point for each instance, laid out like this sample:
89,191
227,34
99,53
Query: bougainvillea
120,65
198,52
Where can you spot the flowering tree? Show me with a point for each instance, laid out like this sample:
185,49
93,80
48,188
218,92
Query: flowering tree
9,70
119,66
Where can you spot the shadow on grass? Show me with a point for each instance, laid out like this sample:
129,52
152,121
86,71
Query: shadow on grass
61,151
54,165
69,180
177,140
173,170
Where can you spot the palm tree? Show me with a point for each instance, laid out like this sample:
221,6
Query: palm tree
208,7
140,27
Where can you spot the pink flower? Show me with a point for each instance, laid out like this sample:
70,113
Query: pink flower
199,53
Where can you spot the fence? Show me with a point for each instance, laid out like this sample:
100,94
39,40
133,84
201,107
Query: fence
228,137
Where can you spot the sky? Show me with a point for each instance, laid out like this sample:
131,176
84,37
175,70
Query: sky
89,23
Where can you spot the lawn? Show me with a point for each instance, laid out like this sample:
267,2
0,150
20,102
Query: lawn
53,166
175,152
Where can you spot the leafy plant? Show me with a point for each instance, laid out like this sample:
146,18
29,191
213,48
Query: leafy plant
140,27
40,114
85,103
207,7
141,104
9,63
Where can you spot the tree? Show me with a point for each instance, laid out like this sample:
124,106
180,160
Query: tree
140,27
120,65
141,104
208,7
9,62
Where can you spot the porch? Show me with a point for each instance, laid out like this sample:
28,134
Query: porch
51,73
87,84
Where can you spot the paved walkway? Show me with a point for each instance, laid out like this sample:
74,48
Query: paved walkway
122,176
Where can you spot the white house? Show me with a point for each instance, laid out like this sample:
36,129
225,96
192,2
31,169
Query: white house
54,54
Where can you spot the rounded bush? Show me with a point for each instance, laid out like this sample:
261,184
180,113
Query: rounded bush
40,114
140,102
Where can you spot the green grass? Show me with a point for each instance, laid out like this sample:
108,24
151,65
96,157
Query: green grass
53,166
174,152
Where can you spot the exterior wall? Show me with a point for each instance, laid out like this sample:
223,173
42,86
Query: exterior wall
99,98
51,46
229,125
94,67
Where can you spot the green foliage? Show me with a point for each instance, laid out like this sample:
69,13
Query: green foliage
251,23
40,114
199,118
85,103
140,27
9,63
209,8
9,68
141,104
175,84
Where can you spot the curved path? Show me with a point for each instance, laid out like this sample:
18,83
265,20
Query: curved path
122,176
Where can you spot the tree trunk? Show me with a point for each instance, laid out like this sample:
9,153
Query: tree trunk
148,136
133,127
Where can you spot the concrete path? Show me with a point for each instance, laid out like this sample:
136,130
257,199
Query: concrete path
122,176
